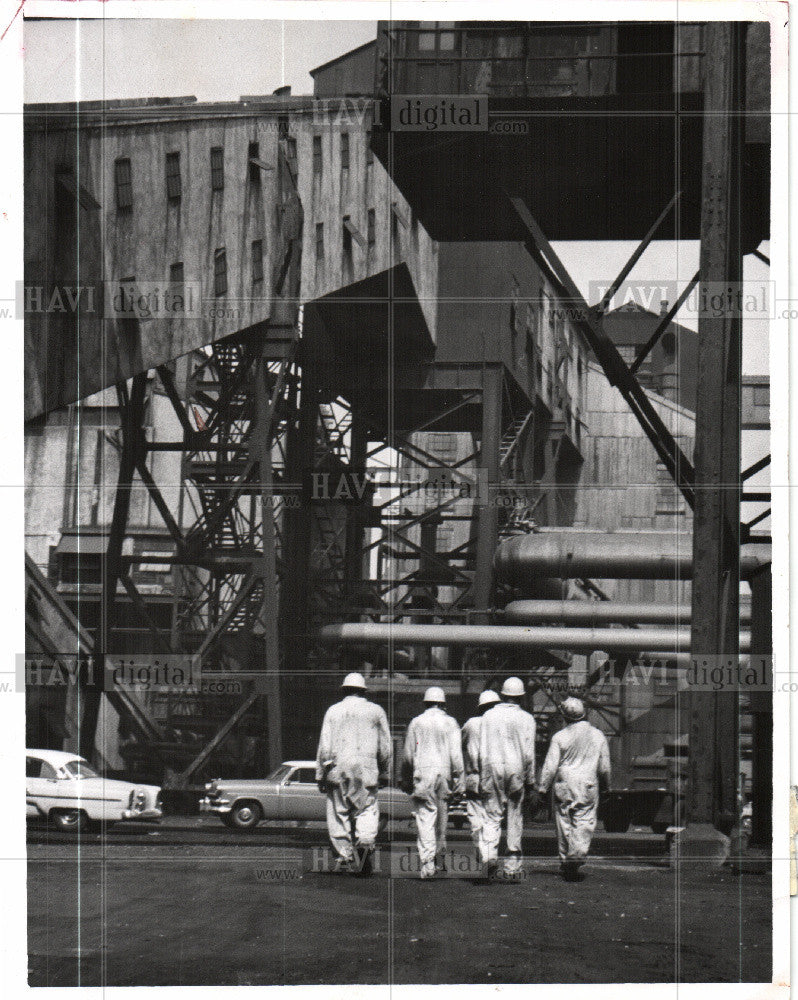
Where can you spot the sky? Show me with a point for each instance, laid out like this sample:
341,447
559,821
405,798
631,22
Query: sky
216,60
213,60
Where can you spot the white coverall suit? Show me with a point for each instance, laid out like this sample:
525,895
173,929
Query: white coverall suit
506,767
356,738
432,751
474,807
577,762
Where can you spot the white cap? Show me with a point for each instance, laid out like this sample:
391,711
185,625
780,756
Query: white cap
513,687
573,709
354,681
488,698
435,694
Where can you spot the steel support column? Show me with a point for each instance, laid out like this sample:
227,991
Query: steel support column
714,736
762,711
489,467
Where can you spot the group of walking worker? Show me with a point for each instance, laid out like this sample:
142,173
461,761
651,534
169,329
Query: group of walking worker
490,762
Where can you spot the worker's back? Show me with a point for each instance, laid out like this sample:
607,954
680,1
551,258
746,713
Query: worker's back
356,738
432,749
507,747
579,753
471,735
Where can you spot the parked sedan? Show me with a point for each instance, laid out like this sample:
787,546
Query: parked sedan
290,793
63,788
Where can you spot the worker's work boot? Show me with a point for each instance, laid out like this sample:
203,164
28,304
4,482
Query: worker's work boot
570,871
343,866
492,869
366,859
513,870
428,870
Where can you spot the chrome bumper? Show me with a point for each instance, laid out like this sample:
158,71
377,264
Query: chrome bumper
207,805
142,814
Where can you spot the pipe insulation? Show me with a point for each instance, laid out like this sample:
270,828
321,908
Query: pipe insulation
599,612
603,555
531,637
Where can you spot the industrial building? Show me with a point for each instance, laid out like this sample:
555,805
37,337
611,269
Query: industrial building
374,398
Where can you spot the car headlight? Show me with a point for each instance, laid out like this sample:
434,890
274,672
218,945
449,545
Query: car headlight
212,787
137,800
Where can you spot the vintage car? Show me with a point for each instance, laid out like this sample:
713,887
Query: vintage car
63,788
290,793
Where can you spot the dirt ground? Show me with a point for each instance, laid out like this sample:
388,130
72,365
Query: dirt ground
261,910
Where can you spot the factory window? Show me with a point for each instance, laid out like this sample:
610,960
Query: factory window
290,147
253,156
761,394
173,187
319,241
176,286
371,228
443,447
440,39
627,352
395,248
257,261
347,268
344,151
124,185
317,161
217,168
220,272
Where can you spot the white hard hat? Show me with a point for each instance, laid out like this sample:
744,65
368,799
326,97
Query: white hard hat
354,681
513,687
435,694
573,709
488,698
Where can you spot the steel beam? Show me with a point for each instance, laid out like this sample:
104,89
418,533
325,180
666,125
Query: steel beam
488,513
609,358
714,727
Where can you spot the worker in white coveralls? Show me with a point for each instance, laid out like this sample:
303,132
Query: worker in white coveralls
578,765
432,774
471,737
506,771
353,761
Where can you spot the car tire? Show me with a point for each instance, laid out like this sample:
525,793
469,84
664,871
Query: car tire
69,820
245,815
225,818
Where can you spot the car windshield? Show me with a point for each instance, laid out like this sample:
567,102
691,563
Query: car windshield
278,773
80,769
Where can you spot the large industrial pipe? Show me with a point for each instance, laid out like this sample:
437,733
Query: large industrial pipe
569,553
598,612
541,637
